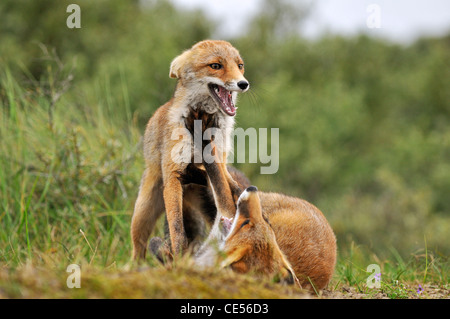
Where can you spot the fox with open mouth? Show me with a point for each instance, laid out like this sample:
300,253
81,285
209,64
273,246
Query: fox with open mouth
209,77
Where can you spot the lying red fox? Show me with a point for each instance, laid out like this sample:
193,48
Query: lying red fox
272,234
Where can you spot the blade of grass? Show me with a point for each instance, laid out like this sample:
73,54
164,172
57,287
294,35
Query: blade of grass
26,210
426,259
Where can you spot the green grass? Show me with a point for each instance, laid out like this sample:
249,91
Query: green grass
400,278
63,172
69,172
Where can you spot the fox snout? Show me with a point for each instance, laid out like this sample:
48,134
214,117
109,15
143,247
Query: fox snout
240,85
248,195
252,189
243,85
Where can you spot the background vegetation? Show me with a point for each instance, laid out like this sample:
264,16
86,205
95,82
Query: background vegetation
364,131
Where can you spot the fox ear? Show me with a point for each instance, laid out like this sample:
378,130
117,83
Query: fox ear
234,257
287,276
177,64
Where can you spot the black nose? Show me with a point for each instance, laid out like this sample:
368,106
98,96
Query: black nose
252,189
242,85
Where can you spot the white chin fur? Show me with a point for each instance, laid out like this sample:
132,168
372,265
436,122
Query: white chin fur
244,196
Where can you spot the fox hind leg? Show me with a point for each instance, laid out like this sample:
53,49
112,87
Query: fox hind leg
148,208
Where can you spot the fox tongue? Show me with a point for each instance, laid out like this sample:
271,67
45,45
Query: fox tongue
227,102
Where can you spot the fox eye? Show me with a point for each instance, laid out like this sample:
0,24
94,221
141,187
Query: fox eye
240,66
244,223
215,66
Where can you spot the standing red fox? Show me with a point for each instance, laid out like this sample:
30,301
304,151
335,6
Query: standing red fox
272,234
210,75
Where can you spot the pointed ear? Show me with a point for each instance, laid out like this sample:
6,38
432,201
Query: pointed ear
177,65
234,257
287,276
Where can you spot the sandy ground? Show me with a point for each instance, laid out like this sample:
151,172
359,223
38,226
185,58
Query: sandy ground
409,291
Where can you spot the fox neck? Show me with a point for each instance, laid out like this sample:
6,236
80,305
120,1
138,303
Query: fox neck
197,97
194,96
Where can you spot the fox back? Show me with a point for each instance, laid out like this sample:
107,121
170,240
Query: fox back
304,235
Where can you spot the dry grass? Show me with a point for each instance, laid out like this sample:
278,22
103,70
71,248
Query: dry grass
144,282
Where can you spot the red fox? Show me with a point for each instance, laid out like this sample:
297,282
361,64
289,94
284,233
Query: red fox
272,234
210,75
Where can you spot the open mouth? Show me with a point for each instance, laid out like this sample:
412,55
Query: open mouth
226,224
223,97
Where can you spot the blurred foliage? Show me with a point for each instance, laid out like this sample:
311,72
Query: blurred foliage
364,123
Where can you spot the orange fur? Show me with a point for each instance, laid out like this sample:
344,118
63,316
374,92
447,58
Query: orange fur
280,229
274,233
252,243
161,187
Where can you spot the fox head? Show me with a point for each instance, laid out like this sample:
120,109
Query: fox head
251,244
212,69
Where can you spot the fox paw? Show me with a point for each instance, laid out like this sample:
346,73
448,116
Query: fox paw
160,249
